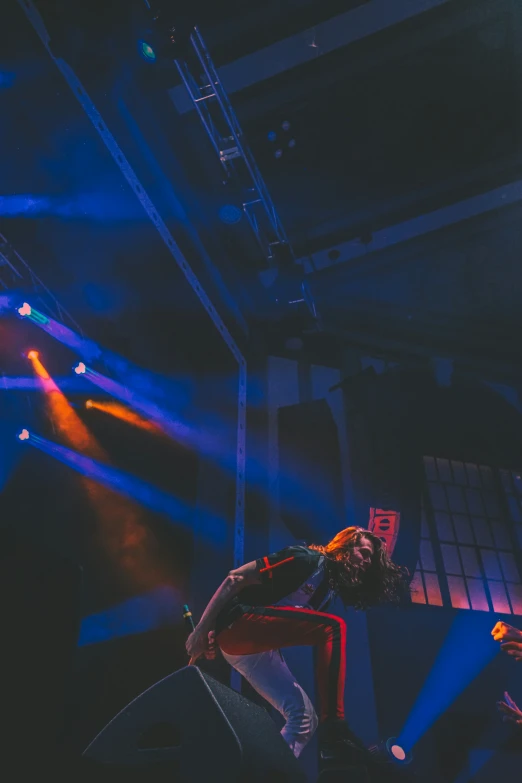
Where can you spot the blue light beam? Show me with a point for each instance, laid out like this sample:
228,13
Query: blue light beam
468,648
159,608
214,528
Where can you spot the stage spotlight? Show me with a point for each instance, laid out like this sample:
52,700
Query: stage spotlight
272,136
23,435
25,309
167,38
89,404
397,753
33,355
278,154
146,51
80,368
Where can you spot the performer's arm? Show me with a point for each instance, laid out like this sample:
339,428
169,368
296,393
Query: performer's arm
236,580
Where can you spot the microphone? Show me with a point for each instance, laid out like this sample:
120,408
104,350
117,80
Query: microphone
189,625
188,619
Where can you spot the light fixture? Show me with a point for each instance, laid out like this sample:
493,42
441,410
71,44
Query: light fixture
25,309
80,368
397,753
146,52
89,404
167,37
33,355
23,435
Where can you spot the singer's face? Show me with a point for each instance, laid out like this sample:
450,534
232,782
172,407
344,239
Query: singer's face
360,555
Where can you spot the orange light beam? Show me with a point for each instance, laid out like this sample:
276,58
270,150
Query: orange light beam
120,530
119,411
65,418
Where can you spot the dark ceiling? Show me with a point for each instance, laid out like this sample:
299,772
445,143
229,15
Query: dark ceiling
404,120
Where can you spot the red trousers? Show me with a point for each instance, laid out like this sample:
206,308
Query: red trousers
275,627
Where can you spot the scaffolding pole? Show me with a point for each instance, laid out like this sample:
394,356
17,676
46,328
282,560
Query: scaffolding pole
221,124
15,273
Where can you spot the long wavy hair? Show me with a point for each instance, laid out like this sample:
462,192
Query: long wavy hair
383,582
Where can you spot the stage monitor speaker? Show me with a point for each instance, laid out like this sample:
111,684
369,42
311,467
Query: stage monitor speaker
205,730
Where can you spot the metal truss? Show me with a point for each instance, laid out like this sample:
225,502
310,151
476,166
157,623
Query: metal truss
224,131
154,215
15,273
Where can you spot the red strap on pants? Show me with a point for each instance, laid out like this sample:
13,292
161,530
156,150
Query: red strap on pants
274,627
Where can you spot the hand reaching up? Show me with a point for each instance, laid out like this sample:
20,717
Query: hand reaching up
510,710
514,649
502,632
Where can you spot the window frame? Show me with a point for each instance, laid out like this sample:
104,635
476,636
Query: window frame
513,537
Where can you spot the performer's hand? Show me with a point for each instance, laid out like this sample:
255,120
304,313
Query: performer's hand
211,651
514,649
510,710
502,632
197,644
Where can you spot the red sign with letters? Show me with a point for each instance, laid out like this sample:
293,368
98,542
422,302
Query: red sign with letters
385,524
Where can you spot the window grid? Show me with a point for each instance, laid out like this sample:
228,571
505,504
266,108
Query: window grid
467,557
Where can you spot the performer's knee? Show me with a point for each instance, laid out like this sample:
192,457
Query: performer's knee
335,628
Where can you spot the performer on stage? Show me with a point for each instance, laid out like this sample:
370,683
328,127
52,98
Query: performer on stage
281,601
